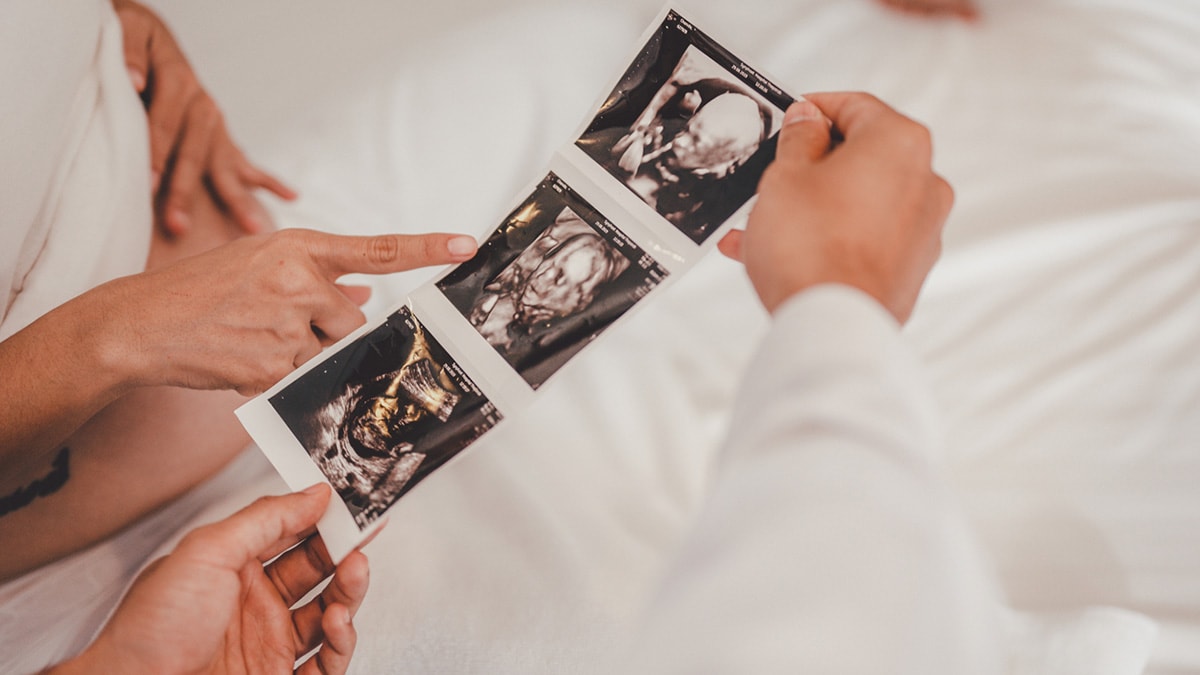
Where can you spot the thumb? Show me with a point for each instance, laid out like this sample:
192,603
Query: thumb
260,531
387,253
805,134
136,32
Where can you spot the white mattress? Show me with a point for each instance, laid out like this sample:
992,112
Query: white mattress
1060,328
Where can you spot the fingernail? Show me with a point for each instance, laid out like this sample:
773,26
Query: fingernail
313,489
179,219
462,247
802,110
138,79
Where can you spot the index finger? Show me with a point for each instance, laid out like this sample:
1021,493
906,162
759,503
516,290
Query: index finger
387,253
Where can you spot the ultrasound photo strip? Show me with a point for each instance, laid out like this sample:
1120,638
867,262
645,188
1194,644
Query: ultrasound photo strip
688,129
668,162
383,412
553,276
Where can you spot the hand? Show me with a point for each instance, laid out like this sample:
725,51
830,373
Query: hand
867,214
245,314
190,148
210,226
963,9
212,606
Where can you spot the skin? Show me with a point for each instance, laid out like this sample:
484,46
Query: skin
867,214
212,606
961,9
191,151
169,354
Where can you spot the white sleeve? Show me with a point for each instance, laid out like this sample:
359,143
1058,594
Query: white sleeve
829,543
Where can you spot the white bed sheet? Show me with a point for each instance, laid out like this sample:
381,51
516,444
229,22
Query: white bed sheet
1060,327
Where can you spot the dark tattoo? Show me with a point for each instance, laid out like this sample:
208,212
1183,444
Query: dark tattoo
52,482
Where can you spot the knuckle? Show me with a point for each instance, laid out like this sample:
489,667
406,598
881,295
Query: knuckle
291,280
297,335
918,137
276,370
202,538
292,240
870,99
278,374
383,250
254,381
946,191
923,135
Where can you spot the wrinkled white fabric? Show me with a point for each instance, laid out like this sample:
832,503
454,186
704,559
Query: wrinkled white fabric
74,174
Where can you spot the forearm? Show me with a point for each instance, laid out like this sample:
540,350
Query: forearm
58,372
95,659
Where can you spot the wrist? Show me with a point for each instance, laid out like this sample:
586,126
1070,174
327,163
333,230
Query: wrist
109,340
97,658
83,664
776,293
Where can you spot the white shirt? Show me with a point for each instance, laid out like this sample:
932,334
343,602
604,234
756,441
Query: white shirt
74,173
830,543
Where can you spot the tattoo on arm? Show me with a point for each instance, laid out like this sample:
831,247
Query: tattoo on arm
45,486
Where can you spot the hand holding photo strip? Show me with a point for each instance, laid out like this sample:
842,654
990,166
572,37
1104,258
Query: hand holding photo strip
677,148
689,129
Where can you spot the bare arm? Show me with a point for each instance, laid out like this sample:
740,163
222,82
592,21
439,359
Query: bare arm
239,317
60,370
236,318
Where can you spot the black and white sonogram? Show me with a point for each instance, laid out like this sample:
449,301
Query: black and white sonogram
689,129
550,279
383,413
